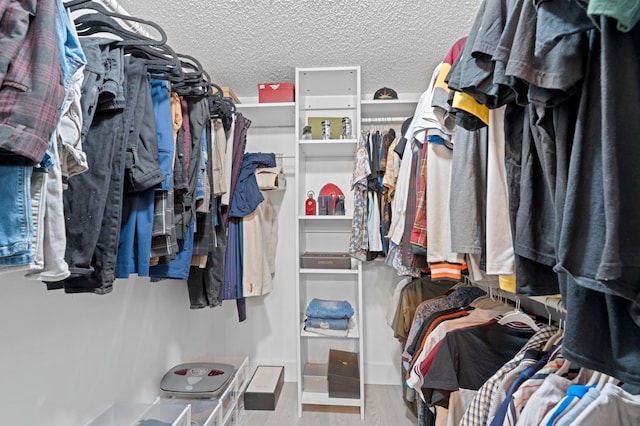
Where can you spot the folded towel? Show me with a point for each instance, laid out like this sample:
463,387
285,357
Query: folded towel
327,332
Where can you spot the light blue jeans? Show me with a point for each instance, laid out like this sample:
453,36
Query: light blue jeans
16,226
329,309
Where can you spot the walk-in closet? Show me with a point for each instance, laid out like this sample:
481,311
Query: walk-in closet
319,212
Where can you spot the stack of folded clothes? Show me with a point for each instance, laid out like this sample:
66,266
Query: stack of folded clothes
328,317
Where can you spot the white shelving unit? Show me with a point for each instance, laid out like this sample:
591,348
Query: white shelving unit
326,93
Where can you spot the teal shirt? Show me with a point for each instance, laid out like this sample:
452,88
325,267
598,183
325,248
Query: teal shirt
626,12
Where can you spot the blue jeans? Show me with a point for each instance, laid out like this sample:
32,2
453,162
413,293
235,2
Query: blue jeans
93,201
134,248
327,323
141,159
16,227
330,309
164,128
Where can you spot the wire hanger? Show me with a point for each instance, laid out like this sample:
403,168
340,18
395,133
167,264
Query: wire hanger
519,316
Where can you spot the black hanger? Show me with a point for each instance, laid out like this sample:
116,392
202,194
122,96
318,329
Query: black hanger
194,82
103,21
162,61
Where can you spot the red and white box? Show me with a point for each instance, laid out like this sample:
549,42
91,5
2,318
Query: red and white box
275,92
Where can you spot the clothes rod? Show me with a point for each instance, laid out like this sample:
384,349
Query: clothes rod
382,120
117,8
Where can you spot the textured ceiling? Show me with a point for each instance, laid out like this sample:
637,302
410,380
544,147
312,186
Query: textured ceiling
243,42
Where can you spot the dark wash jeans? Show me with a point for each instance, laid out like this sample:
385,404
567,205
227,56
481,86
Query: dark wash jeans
93,202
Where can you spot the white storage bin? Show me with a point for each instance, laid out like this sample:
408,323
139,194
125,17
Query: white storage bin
168,411
119,414
315,378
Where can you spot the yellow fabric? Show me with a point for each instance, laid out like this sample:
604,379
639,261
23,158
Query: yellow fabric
467,103
444,71
507,283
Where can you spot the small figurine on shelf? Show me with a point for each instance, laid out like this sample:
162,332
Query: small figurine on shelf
306,132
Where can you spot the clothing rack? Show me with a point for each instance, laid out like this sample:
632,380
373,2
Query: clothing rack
542,306
382,120
114,6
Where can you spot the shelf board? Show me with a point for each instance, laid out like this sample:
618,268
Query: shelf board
276,114
328,148
388,108
321,271
334,81
326,217
322,398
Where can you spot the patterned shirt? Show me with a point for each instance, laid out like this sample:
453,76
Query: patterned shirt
358,244
419,231
31,80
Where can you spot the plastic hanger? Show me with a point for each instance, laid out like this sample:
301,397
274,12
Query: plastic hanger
104,20
604,379
195,81
564,368
593,380
162,62
557,336
519,316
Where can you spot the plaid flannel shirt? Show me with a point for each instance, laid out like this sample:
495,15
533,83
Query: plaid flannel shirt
31,76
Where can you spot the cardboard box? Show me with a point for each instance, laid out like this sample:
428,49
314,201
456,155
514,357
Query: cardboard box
325,260
227,93
315,378
264,389
343,374
275,92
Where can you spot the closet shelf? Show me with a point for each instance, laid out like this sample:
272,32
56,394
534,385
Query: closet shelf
320,271
277,114
388,108
322,398
328,148
326,217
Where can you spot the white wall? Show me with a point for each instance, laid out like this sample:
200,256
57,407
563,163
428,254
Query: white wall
66,357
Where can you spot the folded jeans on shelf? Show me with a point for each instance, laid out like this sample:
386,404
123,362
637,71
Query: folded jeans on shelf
329,309
327,323
327,332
